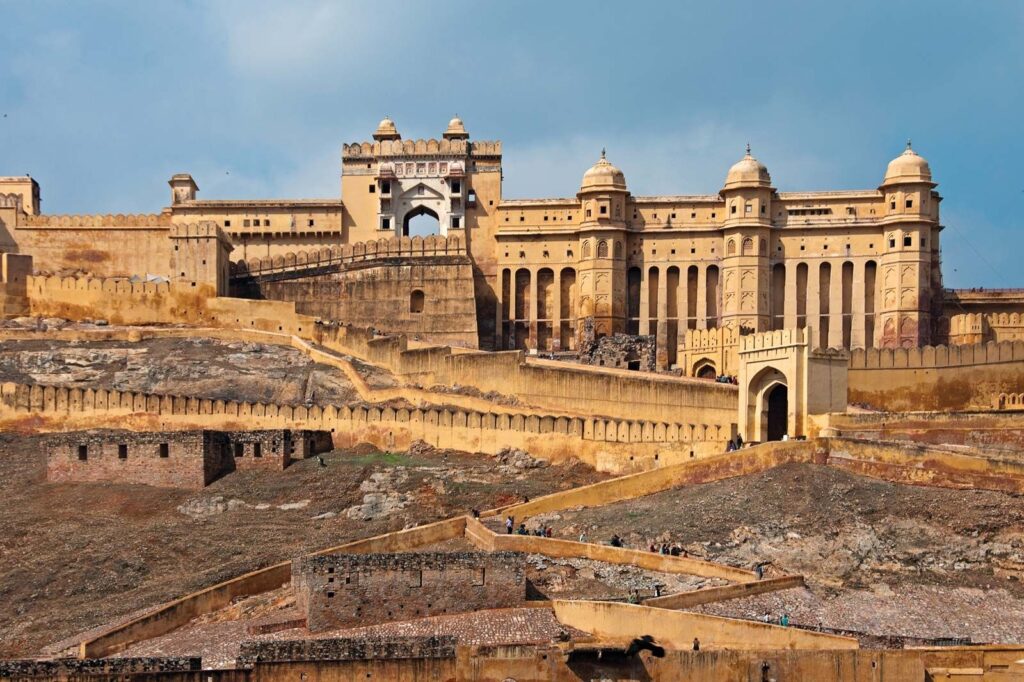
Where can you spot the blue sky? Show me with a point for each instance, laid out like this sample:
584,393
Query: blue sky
103,101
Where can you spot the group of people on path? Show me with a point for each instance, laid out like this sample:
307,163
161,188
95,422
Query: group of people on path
734,443
669,550
540,531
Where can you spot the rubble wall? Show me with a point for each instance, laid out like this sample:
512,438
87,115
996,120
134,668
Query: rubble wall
350,590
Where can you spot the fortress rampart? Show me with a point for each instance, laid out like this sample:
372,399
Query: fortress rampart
608,444
936,377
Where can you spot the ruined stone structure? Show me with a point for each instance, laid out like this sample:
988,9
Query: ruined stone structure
337,590
175,459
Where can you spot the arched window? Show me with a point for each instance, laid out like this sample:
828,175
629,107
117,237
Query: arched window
586,249
416,301
730,247
618,249
748,246
602,249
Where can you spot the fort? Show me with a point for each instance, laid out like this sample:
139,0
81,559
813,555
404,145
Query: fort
635,348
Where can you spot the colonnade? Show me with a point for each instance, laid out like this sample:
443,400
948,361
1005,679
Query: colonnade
837,298
538,308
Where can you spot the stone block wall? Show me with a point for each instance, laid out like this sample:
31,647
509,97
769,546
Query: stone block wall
430,298
346,649
346,590
176,459
182,459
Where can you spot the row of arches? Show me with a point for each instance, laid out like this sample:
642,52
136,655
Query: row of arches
539,308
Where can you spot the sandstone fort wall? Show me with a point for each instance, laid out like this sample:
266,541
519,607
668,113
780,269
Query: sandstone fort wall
612,445
936,377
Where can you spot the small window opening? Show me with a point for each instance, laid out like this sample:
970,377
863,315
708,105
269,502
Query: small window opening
907,240
164,450
385,187
83,453
604,210
227,223
257,450
416,301
910,203
122,451
239,449
373,189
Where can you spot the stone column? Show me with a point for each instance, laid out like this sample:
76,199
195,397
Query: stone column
789,297
857,305
645,319
556,311
533,308
512,302
813,298
499,331
835,306
702,297
661,338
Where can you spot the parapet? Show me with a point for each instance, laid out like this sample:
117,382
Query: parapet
203,230
774,339
431,147
142,220
388,247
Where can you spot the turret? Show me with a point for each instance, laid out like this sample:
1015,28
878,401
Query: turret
603,195
183,188
911,234
748,194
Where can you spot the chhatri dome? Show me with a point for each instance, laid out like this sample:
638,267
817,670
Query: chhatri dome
748,172
603,176
387,130
456,130
908,167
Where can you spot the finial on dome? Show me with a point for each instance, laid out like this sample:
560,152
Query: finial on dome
602,152
748,149
909,148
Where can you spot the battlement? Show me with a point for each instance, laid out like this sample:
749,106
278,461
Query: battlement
391,247
431,147
10,200
201,230
121,221
43,285
775,339
937,356
702,339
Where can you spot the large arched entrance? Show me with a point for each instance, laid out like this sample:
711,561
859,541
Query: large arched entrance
420,222
777,399
766,406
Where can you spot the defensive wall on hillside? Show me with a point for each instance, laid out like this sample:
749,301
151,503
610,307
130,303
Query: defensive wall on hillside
609,445
547,385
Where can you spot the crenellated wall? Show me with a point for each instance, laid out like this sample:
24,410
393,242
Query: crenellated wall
607,444
415,286
936,377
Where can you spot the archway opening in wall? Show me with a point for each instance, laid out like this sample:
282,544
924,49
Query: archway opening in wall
706,371
778,411
421,222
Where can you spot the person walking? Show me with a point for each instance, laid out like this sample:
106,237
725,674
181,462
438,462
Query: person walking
509,524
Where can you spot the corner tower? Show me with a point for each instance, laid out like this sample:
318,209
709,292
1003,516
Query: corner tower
746,234
602,234
911,223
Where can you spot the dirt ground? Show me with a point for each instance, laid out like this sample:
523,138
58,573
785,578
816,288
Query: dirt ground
879,557
74,556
